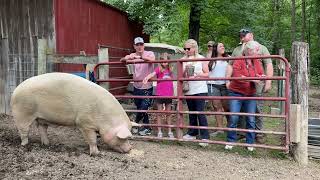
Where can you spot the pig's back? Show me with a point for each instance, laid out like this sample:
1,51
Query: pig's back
58,97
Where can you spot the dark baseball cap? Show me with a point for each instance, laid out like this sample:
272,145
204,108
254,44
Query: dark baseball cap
244,32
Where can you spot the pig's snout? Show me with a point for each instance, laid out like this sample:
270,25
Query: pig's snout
124,148
127,148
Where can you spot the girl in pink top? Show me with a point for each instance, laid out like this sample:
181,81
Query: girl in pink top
164,88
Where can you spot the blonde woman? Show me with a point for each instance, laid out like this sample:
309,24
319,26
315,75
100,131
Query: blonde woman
196,88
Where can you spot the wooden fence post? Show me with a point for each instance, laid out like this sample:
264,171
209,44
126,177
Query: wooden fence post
295,120
4,64
42,56
103,56
300,88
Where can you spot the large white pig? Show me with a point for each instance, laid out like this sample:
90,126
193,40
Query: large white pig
68,100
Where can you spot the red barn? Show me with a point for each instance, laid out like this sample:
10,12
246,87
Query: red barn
85,24
68,27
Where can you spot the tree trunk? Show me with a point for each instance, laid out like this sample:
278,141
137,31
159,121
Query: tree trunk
293,20
276,26
300,87
317,15
194,20
303,30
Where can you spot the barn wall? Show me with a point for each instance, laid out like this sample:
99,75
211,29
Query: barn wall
82,25
22,22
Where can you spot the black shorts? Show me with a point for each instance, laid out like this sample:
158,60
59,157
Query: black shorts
163,101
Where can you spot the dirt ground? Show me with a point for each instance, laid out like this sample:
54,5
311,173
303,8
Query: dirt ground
67,158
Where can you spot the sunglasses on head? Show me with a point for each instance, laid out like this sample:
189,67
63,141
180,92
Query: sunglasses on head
139,44
244,32
187,49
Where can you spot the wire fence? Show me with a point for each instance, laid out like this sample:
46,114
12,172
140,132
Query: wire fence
20,68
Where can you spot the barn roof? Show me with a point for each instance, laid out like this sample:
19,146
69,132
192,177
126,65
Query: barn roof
110,6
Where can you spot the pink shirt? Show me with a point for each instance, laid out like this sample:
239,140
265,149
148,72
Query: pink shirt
164,88
141,71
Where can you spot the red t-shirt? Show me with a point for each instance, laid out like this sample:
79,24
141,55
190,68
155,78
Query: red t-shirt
247,68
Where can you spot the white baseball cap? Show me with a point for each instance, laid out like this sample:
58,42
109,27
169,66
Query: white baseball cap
138,40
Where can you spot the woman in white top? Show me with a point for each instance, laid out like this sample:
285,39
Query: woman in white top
196,88
218,88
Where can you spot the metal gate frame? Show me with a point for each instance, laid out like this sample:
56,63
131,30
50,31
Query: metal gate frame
180,122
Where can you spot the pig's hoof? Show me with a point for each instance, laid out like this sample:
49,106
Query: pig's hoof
95,153
24,142
45,142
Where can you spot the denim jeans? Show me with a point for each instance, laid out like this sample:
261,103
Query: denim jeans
259,119
248,106
197,119
142,104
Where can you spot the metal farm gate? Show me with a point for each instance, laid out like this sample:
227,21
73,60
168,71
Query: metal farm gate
180,123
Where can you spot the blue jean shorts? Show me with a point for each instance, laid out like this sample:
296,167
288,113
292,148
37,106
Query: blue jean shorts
217,90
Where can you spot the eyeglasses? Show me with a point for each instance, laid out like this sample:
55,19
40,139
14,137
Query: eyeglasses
210,46
139,44
187,49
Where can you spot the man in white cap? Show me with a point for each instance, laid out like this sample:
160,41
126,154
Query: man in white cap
140,72
246,36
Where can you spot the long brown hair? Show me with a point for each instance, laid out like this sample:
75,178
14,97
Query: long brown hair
165,57
215,54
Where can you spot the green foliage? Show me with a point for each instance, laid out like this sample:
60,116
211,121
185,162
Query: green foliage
167,21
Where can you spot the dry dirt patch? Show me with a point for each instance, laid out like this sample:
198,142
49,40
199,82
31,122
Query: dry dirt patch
67,158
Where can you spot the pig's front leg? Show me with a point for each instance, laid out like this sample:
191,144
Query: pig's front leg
91,138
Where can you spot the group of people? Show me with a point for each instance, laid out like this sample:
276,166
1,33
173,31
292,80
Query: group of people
203,69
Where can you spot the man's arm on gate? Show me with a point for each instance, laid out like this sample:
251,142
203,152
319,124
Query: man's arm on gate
269,69
148,57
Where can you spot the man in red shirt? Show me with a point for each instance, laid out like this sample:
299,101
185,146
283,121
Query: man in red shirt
244,88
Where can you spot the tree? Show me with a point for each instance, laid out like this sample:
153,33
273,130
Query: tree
276,24
196,8
293,20
303,30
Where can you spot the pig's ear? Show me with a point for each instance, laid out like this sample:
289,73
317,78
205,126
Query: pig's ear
133,124
124,133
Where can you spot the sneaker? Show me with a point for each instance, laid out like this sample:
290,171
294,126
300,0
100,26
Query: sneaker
203,144
228,147
250,149
159,134
188,137
215,133
145,132
135,130
170,135
259,138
